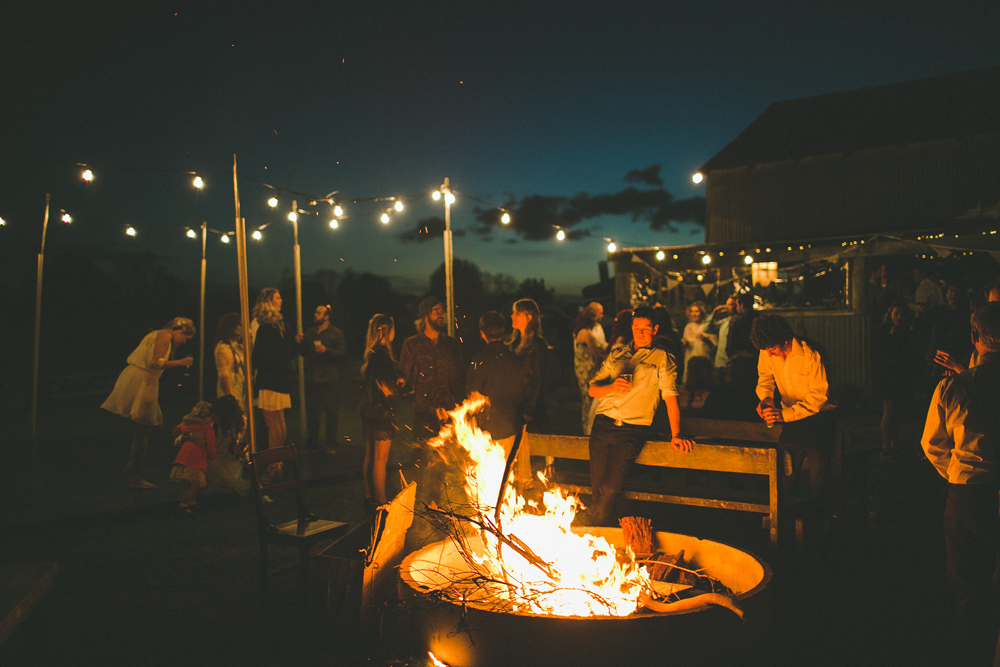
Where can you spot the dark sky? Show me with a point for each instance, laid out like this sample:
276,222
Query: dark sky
371,99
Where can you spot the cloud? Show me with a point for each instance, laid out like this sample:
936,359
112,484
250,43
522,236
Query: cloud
426,230
536,217
647,176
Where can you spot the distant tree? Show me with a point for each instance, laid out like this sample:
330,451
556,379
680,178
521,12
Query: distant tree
534,288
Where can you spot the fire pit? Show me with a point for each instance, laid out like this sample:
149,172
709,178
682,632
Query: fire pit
514,583
475,635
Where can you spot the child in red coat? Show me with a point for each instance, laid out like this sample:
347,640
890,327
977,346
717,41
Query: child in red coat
196,437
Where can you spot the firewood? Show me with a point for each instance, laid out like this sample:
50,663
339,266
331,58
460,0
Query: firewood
638,534
647,601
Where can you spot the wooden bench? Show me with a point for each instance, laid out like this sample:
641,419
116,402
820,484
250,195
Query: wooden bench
720,446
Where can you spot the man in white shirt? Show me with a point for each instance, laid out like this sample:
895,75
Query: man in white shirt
718,324
960,439
796,370
628,388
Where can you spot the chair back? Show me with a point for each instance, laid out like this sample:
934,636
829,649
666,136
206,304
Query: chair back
288,480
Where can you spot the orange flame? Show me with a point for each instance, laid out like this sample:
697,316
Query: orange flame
584,576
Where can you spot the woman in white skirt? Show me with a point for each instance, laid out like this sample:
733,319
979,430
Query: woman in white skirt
136,393
273,350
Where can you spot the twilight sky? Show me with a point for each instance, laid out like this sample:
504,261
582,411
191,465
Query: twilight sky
374,99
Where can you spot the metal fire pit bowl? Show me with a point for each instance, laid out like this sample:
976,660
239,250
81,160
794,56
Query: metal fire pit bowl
476,637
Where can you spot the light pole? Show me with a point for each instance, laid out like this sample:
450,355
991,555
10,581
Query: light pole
294,217
38,326
201,320
241,260
449,285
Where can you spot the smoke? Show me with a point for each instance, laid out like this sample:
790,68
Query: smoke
427,229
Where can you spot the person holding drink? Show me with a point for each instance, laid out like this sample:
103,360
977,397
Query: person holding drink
628,388
795,368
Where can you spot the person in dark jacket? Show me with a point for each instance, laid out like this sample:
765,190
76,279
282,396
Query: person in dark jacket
496,374
738,339
532,351
377,407
273,350
897,369
323,351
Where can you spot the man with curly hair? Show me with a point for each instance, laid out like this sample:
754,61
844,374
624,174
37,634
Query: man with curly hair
795,368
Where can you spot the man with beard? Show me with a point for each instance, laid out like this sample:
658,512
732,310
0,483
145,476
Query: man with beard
323,350
431,365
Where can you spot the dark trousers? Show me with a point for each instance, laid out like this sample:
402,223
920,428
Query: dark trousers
972,542
613,449
811,438
322,398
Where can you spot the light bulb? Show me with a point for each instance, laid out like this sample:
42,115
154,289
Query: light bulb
293,216
130,230
748,259
384,218
225,238
660,255
88,175
191,234
399,205
697,177
706,259
257,236
436,195
561,235
272,202
334,224
337,211
449,198
612,247
505,218
3,222
198,182
67,218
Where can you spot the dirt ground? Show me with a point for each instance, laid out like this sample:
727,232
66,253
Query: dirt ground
140,584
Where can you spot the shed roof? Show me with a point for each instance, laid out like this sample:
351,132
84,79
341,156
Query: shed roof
917,111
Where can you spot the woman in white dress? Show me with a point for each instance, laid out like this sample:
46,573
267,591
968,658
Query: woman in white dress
697,342
136,393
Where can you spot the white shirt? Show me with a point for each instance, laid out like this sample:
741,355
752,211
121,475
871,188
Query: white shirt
654,373
801,379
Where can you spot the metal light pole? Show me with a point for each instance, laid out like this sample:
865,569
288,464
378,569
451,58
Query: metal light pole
294,217
241,255
449,282
201,321
38,327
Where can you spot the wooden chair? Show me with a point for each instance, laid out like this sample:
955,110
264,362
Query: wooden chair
303,532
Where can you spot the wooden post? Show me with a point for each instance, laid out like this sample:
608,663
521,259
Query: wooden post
241,256
303,429
201,320
38,328
449,281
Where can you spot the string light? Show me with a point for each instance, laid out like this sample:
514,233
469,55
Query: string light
225,238
706,259
272,202
257,236
191,234
66,218
385,218
612,247
505,218
337,211
398,206
561,235
697,177
748,259
660,255
293,216
449,198
130,231
3,223
88,175
436,195
334,224
198,182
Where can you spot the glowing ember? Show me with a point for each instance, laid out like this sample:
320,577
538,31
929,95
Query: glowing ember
534,563
435,661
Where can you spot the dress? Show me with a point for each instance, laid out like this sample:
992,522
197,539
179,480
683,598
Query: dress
696,346
586,366
229,361
137,390
272,358
378,410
